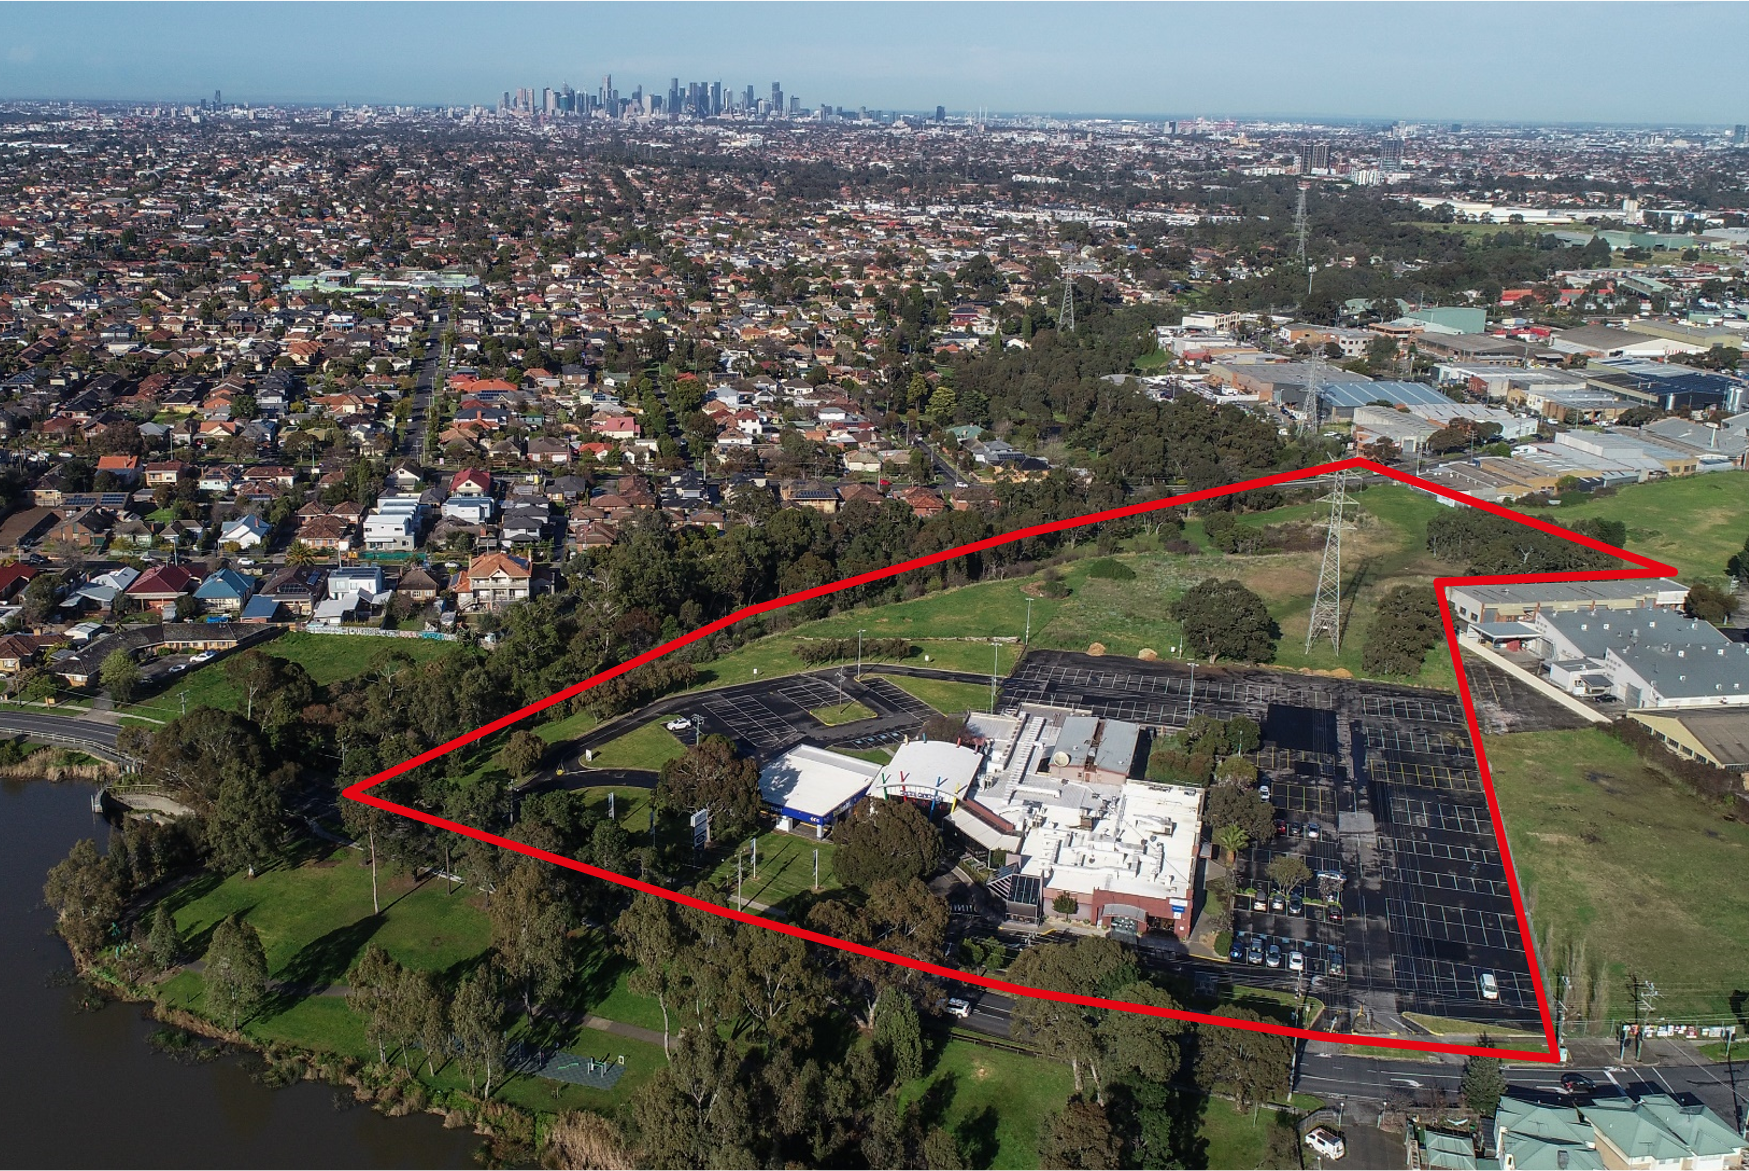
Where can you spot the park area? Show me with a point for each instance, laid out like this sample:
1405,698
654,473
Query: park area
1695,523
1626,872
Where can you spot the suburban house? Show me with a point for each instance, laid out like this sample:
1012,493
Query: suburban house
296,587
246,532
224,591
160,587
493,580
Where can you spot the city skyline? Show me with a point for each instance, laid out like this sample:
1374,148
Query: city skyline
1336,61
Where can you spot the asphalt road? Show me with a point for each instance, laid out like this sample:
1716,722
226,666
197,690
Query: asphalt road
31,723
413,434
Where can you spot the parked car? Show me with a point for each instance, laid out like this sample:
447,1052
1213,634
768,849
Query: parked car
1326,1142
1489,985
1272,957
1335,967
203,657
1332,912
1260,900
1254,952
1281,827
1295,904
1312,831
1295,829
958,1008
1277,902
678,724
1237,951
1577,1083
1263,791
1296,961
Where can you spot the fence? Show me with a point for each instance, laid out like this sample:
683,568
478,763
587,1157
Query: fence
377,632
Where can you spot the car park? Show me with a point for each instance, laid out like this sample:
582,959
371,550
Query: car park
958,1008
1272,957
1490,987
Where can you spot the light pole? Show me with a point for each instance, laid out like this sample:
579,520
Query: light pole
1193,687
1027,641
859,634
995,667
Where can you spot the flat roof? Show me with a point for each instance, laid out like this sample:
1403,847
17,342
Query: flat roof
930,770
814,782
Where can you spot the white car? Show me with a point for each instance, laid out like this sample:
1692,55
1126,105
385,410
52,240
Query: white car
1490,986
1296,961
204,657
959,1008
679,724
1326,1142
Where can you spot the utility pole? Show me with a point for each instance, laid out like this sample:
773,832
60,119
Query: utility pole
995,666
1027,641
816,869
859,635
1326,616
1561,1013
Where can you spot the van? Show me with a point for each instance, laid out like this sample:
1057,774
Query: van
1490,986
1326,1142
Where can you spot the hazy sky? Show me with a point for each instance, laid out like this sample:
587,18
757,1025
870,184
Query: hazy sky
1611,62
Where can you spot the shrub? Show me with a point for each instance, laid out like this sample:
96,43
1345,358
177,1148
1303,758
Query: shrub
1105,569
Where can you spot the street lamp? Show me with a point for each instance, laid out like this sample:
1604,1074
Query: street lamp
1027,641
859,634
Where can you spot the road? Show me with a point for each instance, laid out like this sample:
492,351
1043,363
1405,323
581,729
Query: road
424,382
69,727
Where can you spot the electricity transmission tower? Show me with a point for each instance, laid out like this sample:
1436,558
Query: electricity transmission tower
1327,602
1066,314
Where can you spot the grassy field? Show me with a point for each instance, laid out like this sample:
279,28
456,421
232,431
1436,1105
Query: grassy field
328,658
786,868
944,695
631,807
1386,548
315,918
846,713
1613,855
649,747
1694,523
993,1101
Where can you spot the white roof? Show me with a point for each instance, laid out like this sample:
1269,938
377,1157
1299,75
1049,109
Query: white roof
814,780
929,770
1145,843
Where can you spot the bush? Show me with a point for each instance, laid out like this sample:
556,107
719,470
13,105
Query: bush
1065,904
1105,569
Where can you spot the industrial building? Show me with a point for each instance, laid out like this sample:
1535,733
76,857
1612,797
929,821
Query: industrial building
1643,658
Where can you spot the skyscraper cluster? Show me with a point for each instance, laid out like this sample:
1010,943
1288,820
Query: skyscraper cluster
696,99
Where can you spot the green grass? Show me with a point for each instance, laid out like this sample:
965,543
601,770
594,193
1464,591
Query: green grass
1694,523
872,755
1445,1026
568,728
996,1099
847,713
648,747
1613,855
315,918
1387,548
626,1007
944,695
631,806
1233,1138
328,658
786,868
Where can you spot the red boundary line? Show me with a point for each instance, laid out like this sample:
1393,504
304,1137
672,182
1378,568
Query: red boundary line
361,790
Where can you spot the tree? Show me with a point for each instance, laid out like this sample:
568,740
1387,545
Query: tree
1241,808
163,944
1232,839
521,755
1251,1066
1483,1084
898,1035
371,991
1224,620
1236,770
82,891
712,775
1406,628
245,827
236,971
530,931
1709,603
120,674
477,1020
1079,1135
1289,870
884,839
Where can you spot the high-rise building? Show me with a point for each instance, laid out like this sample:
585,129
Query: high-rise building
673,96
795,106
1391,152
750,102
1740,135
941,113
716,97
776,98
217,102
